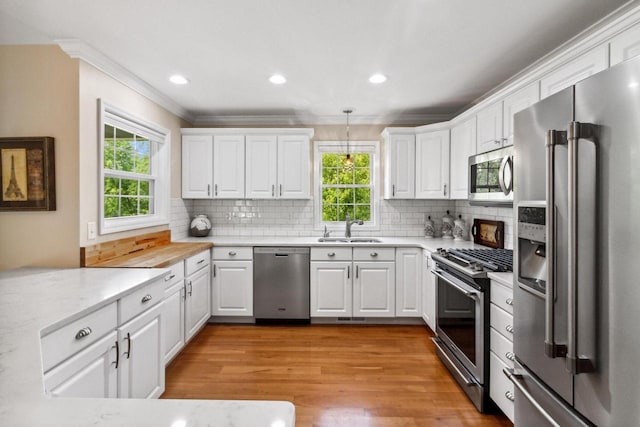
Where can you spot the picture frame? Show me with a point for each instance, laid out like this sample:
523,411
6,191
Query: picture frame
27,174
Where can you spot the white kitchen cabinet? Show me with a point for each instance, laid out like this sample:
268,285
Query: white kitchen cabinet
228,166
173,320
91,372
197,302
489,132
625,45
432,165
293,167
399,164
141,364
331,289
463,145
374,289
232,288
197,166
501,355
428,291
515,103
408,282
590,63
261,166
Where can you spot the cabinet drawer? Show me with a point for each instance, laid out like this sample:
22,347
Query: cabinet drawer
374,254
176,275
502,321
500,388
140,300
502,347
502,296
331,253
233,253
64,342
196,262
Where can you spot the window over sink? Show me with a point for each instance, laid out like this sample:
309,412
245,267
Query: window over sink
344,191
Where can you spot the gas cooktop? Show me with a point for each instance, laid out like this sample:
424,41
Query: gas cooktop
476,262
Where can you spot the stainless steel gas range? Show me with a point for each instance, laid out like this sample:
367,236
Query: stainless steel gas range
462,319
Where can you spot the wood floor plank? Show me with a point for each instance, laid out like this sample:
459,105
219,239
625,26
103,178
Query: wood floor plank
335,375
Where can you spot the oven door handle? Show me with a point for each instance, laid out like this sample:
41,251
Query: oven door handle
458,284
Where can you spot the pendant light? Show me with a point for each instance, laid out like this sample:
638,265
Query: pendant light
347,163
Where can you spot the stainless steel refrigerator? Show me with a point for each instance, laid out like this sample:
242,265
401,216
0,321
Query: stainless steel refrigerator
577,260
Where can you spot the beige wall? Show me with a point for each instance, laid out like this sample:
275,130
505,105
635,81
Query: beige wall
94,84
39,97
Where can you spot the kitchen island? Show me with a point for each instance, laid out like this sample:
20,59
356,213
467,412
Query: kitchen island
34,302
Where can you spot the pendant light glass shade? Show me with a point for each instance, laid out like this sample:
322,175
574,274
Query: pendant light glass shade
347,163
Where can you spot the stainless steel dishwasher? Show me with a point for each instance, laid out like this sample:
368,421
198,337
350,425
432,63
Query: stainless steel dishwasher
281,283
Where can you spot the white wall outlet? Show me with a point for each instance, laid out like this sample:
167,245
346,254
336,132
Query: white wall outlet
91,230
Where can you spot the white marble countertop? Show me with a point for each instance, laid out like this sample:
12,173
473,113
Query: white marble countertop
36,301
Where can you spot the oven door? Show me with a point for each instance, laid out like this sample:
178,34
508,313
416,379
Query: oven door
491,177
460,321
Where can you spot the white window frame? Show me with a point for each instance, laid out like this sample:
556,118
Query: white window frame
160,164
355,147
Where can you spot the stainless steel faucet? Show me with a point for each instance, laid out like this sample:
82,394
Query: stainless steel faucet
349,223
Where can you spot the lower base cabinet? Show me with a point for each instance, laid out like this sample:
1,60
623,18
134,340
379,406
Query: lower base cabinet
428,291
331,289
90,373
374,289
173,320
232,288
198,296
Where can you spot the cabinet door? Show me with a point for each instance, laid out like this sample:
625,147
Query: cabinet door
173,321
432,165
489,136
228,167
374,289
428,291
571,73
625,45
463,141
261,166
331,289
516,102
232,288
141,370
197,303
408,282
293,167
400,163
89,373
197,166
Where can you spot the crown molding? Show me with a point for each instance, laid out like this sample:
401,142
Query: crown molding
78,49
312,119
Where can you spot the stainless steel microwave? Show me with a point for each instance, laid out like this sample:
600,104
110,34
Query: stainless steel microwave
491,178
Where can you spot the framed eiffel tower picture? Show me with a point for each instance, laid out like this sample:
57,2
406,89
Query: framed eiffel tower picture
27,173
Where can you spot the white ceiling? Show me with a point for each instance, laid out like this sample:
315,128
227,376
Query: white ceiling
439,55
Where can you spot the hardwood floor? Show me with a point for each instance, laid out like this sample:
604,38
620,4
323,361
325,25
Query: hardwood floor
334,375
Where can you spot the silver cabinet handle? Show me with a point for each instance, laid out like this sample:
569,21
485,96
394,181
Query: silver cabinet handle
357,271
509,328
215,189
348,272
393,190
280,189
201,261
374,254
497,141
208,189
167,278
146,298
128,338
509,301
190,288
515,379
509,396
232,253
445,189
273,190
509,355
214,270
184,292
331,254
84,332
117,347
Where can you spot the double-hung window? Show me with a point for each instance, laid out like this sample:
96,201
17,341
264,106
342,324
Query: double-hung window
134,169
342,191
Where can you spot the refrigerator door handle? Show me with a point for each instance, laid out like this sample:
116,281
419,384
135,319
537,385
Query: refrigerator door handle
551,348
506,161
576,363
515,379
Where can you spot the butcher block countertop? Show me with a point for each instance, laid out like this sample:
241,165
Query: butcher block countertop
154,250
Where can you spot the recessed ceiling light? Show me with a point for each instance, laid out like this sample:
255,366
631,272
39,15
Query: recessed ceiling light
178,79
277,79
378,78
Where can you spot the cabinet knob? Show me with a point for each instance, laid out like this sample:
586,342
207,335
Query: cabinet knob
232,253
509,396
146,298
84,332
331,254
201,261
509,329
509,301
169,277
374,254
509,355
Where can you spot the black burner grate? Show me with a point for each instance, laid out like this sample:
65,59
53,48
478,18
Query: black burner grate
492,259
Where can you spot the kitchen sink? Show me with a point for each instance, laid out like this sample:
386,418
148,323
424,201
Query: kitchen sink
350,240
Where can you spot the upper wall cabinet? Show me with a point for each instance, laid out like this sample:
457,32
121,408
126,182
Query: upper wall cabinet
293,167
262,173
489,136
228,166
515,103
399,163
572,72
432,165
197,166
463,145
625,45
